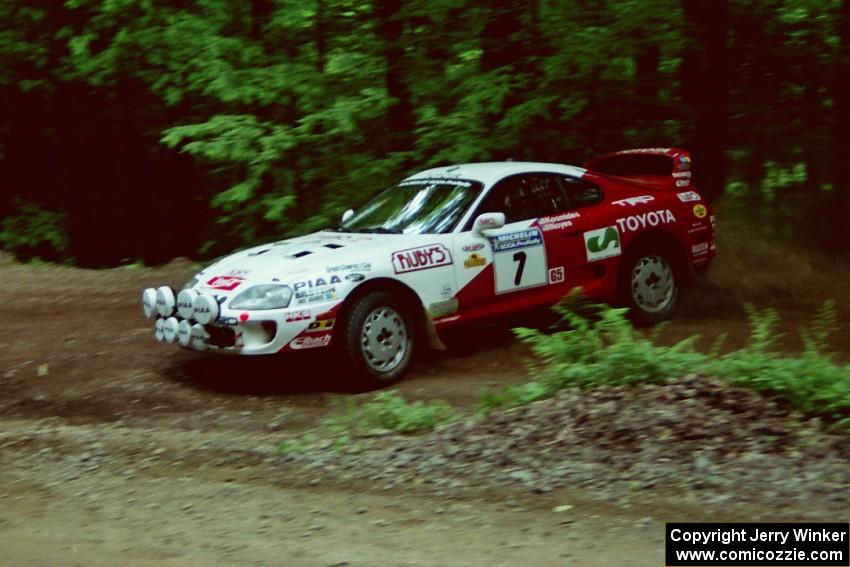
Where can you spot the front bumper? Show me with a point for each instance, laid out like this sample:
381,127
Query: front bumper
228,331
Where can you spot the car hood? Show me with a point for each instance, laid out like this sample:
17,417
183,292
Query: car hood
295,258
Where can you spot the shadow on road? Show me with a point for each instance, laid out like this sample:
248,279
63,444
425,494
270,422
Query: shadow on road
301,373
322,370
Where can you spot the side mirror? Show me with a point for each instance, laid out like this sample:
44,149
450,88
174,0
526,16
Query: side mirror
347,215
486,221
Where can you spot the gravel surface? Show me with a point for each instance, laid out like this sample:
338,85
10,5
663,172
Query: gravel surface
116,450
699,439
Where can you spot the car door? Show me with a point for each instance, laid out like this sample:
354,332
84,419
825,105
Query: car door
508,268
572,235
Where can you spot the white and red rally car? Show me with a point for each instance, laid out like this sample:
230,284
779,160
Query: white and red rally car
451,246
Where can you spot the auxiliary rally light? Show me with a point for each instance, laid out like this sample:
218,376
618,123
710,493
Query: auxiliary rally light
164,301
169,330
199,337
186,303
149,302
205,309
184,332
158,330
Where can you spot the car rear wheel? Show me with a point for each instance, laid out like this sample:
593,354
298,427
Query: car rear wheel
649,284
377,337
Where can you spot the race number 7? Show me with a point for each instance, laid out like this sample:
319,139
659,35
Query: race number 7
519,260
519,257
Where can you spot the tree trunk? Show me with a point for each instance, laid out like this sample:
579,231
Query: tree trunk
647,79
837,235
390,30
704,89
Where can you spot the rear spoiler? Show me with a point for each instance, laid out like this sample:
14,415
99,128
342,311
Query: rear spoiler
654,168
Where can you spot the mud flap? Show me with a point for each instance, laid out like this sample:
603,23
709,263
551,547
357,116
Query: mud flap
434,340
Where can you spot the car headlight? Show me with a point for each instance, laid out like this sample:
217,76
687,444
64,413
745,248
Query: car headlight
263,297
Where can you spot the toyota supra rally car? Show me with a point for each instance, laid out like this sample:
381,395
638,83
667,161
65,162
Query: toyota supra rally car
451,246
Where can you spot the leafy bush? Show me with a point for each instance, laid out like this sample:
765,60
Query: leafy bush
604,349
35,233
811,381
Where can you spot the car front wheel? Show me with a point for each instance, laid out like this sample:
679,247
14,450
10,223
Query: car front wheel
377,339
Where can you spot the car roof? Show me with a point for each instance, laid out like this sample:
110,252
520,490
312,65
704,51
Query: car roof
490,172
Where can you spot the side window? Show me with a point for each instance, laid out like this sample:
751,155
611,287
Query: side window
580,192
524,197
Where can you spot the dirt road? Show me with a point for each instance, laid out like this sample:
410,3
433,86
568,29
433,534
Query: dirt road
116,450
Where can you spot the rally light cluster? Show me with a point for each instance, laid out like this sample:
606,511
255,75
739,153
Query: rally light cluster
174,315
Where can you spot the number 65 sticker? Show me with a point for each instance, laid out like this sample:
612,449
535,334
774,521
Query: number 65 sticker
519,259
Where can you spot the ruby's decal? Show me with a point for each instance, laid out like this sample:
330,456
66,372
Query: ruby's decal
225,283
421,258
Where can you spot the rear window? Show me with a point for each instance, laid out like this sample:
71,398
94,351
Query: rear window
635,164
581,192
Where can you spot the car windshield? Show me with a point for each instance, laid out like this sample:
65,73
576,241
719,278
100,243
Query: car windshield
416,206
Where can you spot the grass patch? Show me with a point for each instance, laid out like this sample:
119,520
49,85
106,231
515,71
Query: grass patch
384,412
600,347
389,411
596,345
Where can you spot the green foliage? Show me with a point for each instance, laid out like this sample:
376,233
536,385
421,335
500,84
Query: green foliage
810,381
604,349
389,411
34,232
288,113
298,445
385,412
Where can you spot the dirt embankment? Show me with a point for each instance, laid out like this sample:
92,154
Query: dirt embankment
116,449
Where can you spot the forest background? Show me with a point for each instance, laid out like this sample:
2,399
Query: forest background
137,131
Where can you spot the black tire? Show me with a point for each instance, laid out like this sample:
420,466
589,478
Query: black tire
650,283
376,336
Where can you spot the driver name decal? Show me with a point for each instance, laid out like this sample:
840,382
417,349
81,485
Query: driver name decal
421,258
